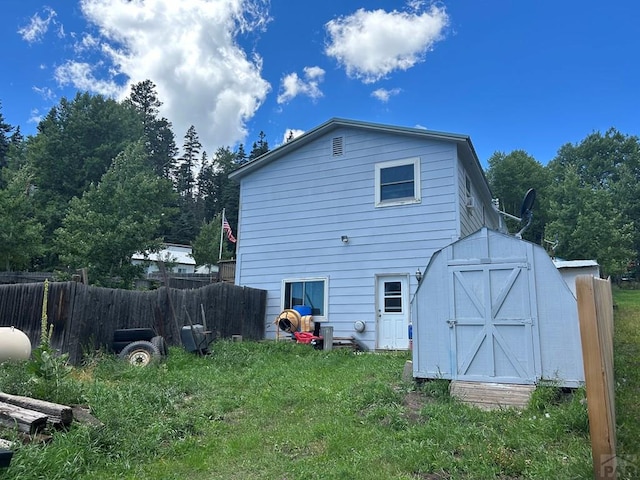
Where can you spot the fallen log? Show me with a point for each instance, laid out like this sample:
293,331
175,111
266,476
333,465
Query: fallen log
26,421
83,415
58,414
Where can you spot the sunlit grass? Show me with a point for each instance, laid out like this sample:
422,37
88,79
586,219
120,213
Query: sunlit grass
627,371
285,411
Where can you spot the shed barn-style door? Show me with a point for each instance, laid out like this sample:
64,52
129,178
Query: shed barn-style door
493,323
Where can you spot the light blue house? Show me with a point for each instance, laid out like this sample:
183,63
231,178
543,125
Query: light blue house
343,218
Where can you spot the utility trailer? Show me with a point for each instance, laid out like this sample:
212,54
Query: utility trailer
142,346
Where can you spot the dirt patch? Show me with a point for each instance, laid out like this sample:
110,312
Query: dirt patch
413,404
432,476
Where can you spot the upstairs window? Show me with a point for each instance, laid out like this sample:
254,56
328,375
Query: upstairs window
398,182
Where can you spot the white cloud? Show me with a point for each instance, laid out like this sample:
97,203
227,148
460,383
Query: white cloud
87,42
384,95
291,85
38,26
35,116
45,92
81,75
370,44
188,49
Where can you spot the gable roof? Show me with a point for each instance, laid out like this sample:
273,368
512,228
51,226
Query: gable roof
334,123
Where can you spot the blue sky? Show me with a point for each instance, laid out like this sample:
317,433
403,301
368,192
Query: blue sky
530,75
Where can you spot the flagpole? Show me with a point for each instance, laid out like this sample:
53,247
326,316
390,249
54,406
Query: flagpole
221,233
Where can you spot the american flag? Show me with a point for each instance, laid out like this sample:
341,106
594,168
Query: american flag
227,229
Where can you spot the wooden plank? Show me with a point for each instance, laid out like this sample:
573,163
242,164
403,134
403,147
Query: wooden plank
595,313
488,395
26,421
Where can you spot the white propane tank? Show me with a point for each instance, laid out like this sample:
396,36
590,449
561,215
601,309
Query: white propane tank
14,344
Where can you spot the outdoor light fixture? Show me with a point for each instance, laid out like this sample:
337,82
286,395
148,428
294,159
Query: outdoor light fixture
344,239
418,275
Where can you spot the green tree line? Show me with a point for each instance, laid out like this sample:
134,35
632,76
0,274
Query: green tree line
102,180
588,199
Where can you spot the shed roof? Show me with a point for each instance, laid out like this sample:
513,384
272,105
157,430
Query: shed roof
574,263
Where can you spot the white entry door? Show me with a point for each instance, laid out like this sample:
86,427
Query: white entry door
393,312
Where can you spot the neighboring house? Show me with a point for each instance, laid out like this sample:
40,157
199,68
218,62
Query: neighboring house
343,217
177,259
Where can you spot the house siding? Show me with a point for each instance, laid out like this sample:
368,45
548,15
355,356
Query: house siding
294,213
471,219
298,200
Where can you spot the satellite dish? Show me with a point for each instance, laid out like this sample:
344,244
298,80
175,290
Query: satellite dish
527,203
526,210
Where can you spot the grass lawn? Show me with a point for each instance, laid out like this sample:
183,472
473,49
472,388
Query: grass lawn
285,411
627,373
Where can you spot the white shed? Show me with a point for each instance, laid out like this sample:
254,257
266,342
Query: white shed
570,269
494,308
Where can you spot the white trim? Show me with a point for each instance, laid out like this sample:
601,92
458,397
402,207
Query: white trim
325,306
416,182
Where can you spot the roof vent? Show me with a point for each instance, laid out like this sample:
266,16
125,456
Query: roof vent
338,146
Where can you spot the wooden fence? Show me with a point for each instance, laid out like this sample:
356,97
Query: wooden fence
85,317
595,311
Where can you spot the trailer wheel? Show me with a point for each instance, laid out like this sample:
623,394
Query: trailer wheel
161,345
140,354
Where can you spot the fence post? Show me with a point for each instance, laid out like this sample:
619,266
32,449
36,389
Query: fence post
595,312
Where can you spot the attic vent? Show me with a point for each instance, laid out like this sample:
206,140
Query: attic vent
338,146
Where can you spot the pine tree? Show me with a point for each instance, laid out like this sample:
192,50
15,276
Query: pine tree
241,155
185,180
260,147
186,226
159,138
5,140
